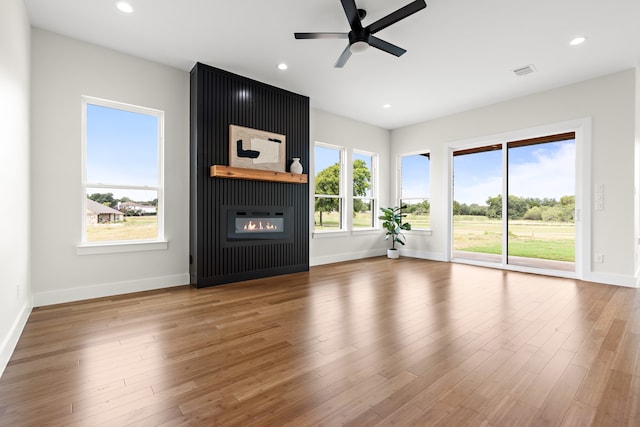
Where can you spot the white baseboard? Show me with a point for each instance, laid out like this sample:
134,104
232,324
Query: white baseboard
433,256
11,339
348,256
108,289
612,279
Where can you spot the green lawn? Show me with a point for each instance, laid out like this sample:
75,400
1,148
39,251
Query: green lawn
133,228
531,239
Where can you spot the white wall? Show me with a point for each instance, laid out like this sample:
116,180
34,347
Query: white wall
63,70
637,178
331,129
15,286
609,101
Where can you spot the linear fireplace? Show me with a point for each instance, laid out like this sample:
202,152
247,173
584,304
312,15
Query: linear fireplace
258,223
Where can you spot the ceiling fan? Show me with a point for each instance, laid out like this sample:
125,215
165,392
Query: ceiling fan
360,38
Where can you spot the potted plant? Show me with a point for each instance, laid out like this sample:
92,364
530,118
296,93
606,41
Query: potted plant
392,223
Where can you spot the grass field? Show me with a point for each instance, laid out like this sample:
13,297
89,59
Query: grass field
133,228
531,239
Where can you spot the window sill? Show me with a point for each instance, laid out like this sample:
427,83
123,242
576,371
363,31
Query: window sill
120,247
329,234
346,233
419,232
365,231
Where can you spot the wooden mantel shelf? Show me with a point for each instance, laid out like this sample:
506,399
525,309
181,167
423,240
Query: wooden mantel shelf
221,171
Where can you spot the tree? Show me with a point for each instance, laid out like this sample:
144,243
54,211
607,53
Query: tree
477,210
529,208
456,208
104,199
517,207
422,208
361,183
361,178
494,207
328,183
534,213
568,200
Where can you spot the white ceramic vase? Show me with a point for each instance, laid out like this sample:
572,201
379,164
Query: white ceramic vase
296,167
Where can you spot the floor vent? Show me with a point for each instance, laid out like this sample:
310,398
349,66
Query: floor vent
523,71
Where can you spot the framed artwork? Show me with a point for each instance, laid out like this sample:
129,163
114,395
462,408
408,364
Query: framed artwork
256,149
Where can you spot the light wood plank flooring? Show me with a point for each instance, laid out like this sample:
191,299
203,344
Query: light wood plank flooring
372,342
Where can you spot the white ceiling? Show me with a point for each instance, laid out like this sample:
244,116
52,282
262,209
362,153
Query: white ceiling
460,53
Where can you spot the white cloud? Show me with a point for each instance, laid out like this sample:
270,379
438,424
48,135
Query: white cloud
546,176
479,192
550,175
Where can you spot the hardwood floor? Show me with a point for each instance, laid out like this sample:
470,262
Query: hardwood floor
371,342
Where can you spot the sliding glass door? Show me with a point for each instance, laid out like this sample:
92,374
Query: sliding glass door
541,204
477,225
535,228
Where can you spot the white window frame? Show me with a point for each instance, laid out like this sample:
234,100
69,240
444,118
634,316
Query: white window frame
341,189
399,188
374,190
115,246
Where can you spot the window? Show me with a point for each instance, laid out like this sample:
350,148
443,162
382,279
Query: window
414,189
329,192
364,206
122,186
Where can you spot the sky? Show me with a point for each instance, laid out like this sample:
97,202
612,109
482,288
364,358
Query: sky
325,157
415,178
122,149
542,170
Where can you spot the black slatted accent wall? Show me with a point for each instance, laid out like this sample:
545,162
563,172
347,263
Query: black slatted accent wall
218,99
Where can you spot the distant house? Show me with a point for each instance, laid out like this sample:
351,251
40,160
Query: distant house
138,208
100,214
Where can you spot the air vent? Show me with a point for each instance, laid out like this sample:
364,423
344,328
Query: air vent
523,71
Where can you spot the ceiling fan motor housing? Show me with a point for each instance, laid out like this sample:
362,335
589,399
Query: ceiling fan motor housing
359,36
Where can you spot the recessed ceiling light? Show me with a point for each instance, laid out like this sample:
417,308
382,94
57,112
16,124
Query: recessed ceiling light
282,66
386,106
125,7
577,41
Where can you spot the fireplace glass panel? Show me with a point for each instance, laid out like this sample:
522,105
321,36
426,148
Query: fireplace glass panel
259,225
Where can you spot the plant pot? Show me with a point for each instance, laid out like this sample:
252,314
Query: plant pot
393,253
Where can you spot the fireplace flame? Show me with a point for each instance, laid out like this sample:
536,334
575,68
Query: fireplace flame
257,226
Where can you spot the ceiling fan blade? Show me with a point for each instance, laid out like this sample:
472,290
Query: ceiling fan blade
346,54
321,35
353,17
396,16
386,46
